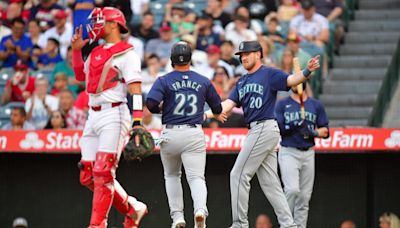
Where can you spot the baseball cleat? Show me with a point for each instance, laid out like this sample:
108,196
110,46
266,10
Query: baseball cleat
140,211
179,223
199,219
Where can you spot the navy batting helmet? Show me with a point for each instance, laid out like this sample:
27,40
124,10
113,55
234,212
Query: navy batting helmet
181,53
249,46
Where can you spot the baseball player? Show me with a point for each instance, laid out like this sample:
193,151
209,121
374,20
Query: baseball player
256,92
296,155
183,94
110,71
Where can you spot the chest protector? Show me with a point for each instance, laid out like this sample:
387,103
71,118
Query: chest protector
102,74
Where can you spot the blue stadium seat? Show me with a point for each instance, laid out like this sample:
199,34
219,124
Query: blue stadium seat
4,122
5,74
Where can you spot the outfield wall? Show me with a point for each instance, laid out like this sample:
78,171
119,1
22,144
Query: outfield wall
45,189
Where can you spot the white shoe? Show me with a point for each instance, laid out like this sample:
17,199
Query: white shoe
140,208
179,223
200,219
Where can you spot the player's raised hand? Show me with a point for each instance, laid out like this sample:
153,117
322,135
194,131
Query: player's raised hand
77,43
313,64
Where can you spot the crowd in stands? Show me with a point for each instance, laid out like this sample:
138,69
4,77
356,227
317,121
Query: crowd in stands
35,46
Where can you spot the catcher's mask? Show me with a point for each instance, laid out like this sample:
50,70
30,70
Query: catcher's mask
97,19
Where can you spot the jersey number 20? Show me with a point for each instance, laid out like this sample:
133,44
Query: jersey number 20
182,99
255,102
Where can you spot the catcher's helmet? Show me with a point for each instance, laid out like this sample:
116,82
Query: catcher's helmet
249,46
181,53
98,17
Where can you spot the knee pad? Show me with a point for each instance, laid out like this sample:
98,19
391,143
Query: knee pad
104,168
86,173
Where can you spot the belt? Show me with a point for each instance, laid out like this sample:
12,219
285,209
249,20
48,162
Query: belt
254,123
303,148
105,106
170,126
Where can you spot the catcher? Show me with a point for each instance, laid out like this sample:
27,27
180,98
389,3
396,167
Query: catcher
110,70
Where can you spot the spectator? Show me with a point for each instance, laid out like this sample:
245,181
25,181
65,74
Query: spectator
161,46
198,56
332,10
227,56
216,10
204,34
389,220
35,56
287,11
82,101
43,13
176,16
259,8
16,9
273,30
75,118
138,7
221,82
62,32
4,30
151,73
15,46
81,9
348,224
151,121
145,30
268,49
34,31
56,121
240,32
60,84
286,63
208,69
263,221
20,87
40,105
20,223
293,42
254,24
65,66
18,120
311,26
50,55
137,44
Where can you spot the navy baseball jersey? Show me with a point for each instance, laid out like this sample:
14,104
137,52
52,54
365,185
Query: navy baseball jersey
288,115
184,95
256,93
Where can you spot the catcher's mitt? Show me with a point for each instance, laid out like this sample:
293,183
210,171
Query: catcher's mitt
140,145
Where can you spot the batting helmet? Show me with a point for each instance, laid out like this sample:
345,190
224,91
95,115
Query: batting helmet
181,53
249,46
98,17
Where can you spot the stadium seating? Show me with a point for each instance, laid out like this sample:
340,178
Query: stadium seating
354,82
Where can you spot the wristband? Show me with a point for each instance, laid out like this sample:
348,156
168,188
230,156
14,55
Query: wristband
306,72
315,133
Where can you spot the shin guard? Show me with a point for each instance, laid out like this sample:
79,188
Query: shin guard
86,174
103,176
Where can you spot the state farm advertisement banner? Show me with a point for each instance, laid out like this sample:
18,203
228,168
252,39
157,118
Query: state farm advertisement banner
217,140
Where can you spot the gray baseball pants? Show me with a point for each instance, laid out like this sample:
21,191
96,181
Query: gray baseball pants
297,169
185,145
257,156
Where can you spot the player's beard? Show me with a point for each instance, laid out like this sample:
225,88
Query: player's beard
248,65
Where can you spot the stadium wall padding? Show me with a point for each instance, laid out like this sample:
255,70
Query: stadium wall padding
45,189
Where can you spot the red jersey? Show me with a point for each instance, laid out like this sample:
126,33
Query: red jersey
17,90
